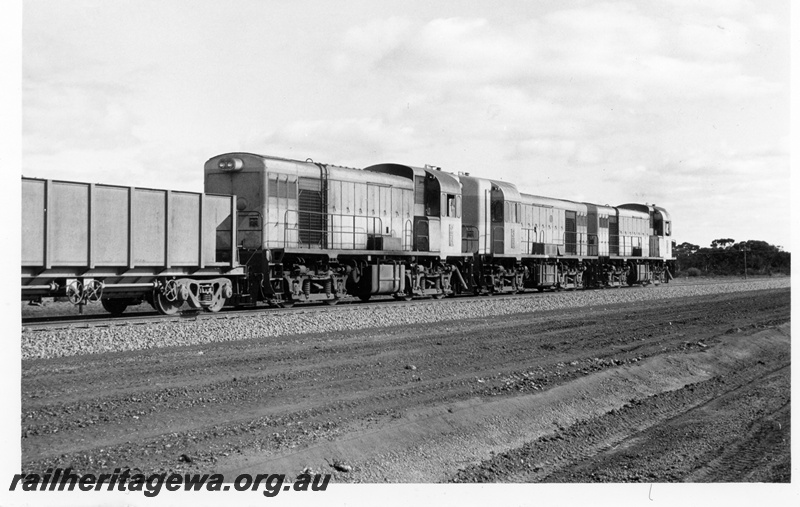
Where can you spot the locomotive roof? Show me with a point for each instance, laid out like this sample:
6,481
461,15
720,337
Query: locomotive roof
645,208
510,192
551,201
448,183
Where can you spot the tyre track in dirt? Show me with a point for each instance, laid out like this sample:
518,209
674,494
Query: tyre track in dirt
619,446
214,402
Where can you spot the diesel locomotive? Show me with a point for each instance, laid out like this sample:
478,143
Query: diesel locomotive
276,231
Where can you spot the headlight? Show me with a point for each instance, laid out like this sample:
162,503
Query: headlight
231,164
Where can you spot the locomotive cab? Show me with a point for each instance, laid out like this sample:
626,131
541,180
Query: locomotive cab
493,215
437,208
656,225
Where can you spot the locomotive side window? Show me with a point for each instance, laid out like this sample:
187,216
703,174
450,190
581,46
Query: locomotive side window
419,190
667,229
497,211
451,205
432,198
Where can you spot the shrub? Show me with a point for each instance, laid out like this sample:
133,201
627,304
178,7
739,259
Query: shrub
693,272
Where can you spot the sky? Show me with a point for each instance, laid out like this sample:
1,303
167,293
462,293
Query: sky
680,103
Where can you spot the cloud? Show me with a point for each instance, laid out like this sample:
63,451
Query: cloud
612,49
569,76
349,139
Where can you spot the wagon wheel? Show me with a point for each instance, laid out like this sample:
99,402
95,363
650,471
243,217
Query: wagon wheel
93,291
216,305
165,306
170,291
114,306
331,302
75,292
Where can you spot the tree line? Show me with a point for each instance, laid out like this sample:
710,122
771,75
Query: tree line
727,257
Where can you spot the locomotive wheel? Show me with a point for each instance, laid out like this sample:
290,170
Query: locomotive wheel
216,305
331,302
114,306
286,303
408,295
364,297
164,306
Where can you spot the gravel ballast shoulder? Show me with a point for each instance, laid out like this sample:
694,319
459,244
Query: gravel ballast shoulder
69,342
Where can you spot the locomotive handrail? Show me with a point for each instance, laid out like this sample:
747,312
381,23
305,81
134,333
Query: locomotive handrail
625,245
327,239
536,236
584,244
408,236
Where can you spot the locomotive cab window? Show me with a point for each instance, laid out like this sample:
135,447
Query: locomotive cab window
450,199
432,199
497,211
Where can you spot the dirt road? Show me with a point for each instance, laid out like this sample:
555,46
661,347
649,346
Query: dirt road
677,390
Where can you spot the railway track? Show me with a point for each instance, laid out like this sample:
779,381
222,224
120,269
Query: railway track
52,322
350,304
